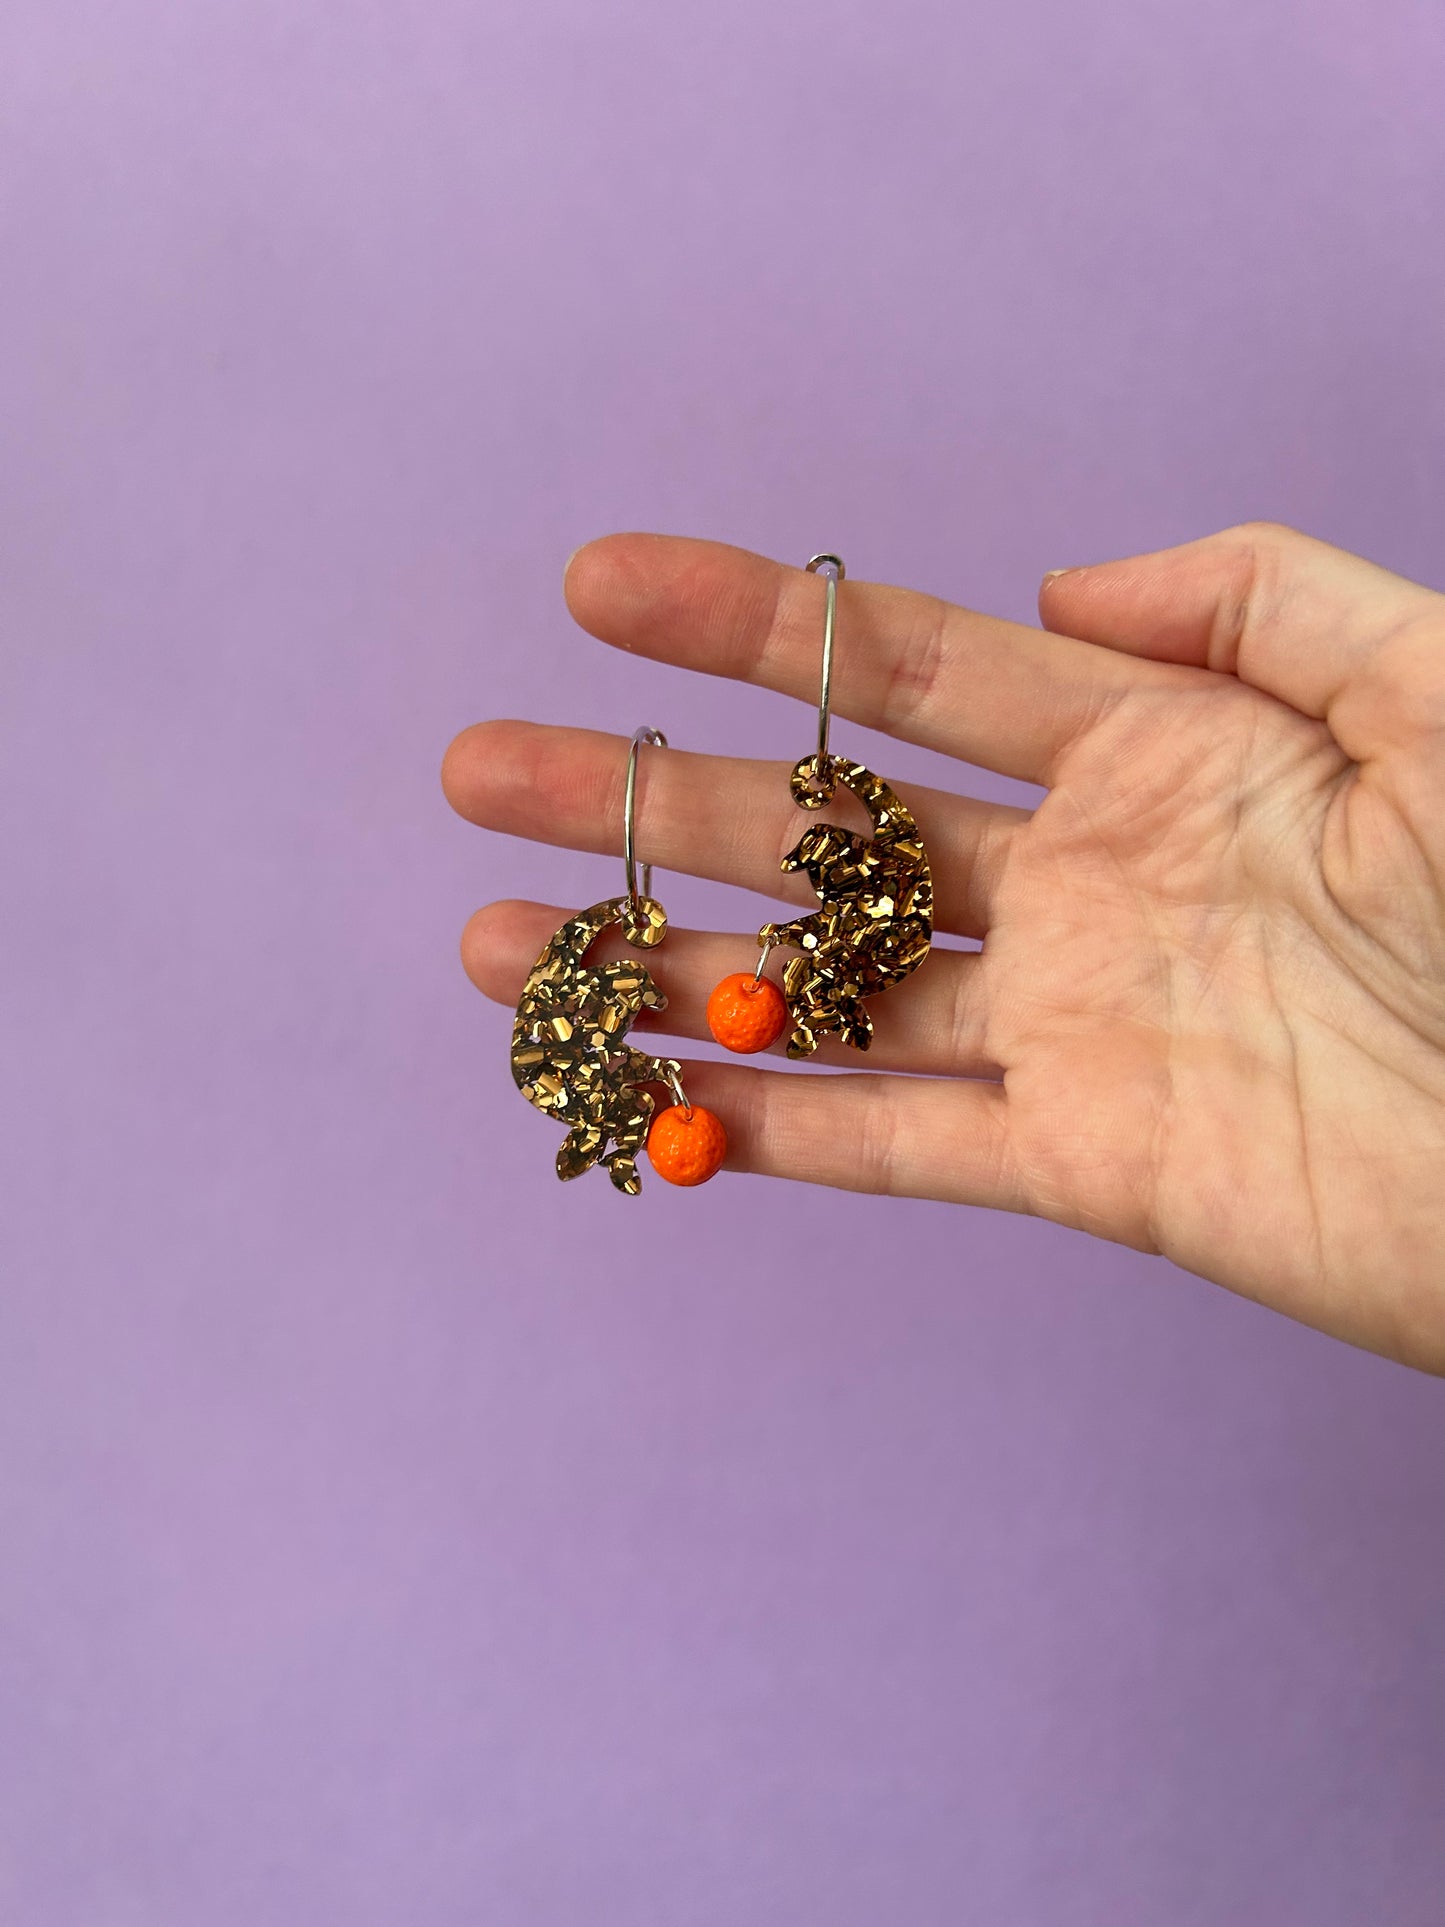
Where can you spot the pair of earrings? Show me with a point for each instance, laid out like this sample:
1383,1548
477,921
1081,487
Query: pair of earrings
873,928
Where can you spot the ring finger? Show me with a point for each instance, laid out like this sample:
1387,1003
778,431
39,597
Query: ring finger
932,1023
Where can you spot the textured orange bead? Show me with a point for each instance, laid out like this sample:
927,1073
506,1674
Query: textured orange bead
686,1144
744,1016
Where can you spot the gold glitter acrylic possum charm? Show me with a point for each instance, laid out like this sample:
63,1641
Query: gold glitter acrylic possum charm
875,923
570,1057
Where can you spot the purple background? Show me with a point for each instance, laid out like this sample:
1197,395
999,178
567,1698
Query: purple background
386,1533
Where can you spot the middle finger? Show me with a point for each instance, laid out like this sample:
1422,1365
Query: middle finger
729,819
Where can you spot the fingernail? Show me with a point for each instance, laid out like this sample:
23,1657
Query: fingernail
567,565
1052,575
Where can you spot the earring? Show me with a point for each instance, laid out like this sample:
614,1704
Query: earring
569,1057
876,921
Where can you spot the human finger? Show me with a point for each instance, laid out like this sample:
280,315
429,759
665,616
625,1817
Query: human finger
916,1137
995,693
1333,635
725,818
932,1023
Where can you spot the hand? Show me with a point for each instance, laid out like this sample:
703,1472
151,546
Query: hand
1208,1017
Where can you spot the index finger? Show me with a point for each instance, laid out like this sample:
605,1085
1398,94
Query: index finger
991,692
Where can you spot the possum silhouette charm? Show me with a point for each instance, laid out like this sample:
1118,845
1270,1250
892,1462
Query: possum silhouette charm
569,1052
876,921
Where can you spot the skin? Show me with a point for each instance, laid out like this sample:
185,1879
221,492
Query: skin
1208,1015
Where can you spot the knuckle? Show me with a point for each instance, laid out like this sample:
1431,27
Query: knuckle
916,666
1260,534
1256,557
878,1141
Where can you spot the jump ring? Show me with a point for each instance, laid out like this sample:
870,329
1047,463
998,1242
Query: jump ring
674,1079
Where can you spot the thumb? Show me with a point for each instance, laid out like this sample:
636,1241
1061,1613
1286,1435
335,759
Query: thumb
1323,630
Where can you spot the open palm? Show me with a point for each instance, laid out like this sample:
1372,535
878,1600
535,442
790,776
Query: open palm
1208,1016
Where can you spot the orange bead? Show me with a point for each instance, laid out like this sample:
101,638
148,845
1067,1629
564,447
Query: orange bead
745,1016
686,1144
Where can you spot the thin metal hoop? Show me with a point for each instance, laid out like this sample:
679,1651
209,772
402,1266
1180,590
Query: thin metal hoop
674,1080
656,739
835,572
767,945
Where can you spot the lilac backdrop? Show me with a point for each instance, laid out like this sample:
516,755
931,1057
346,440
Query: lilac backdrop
387,1534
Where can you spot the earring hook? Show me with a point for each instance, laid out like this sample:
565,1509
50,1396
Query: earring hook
832,570
655,739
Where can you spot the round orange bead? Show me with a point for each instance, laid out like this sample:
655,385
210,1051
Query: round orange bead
686,1144
745,1016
